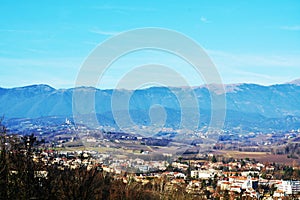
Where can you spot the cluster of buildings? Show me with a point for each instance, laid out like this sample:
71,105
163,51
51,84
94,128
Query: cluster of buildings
197,177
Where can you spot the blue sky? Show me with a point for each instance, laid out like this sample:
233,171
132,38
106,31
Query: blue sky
249,41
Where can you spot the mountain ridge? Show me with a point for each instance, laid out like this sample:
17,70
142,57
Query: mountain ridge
264,106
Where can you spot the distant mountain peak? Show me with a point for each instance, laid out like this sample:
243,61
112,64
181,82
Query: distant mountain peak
295,82
232,87
38,88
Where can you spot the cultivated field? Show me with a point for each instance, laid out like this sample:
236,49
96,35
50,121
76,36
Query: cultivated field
260,156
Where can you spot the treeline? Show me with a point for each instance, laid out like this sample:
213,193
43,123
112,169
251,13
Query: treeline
22,177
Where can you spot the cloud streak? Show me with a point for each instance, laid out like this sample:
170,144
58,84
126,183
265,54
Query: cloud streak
255,59
17,31
204,20
102,32
123,8
291,28
55,63
256,68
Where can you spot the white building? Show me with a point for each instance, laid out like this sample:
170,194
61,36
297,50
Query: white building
202,174
289,187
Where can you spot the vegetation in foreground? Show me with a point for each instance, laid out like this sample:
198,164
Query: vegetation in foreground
22,176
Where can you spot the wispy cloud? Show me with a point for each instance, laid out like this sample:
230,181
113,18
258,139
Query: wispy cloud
16,31
204,20
256,68
290,60
38,51
57,72
102,32
259,77
262,78
124,8
54,63
91,43
291,28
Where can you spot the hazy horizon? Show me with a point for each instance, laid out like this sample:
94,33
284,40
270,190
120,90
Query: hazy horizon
196,86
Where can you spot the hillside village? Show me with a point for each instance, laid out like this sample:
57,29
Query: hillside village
212,177
237,178
207,174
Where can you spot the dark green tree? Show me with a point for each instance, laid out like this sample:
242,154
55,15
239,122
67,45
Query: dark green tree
214,159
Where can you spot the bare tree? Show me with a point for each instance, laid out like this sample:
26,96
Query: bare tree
3,162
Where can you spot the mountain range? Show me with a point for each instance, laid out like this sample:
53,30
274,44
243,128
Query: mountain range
249,107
